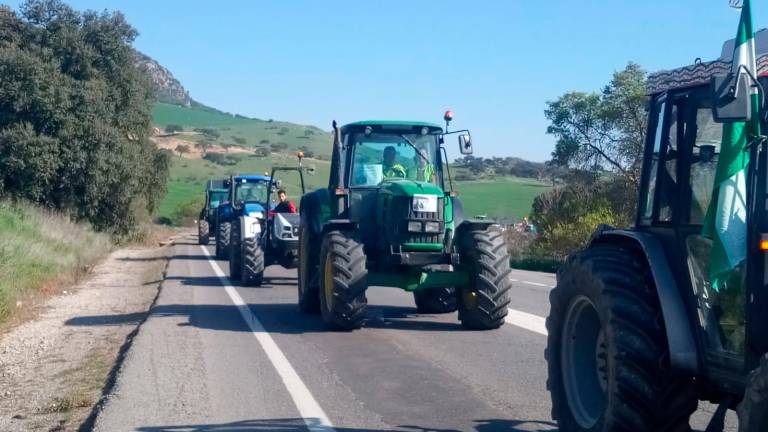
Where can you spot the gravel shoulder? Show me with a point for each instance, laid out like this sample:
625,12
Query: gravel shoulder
55,367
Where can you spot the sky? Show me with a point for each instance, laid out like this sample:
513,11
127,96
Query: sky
495,64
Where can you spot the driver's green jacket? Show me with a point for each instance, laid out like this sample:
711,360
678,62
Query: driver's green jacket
395,170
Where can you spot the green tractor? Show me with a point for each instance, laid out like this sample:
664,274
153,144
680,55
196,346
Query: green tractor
215,193
389,217
641,326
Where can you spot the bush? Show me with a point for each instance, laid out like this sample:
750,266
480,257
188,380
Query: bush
186,213
239,140
75,116
173,128
221,159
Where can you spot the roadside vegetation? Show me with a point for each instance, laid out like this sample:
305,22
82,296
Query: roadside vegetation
40,248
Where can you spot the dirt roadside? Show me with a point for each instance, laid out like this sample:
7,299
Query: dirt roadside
55,367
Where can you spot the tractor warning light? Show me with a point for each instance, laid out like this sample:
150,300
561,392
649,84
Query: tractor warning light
448,116
764,245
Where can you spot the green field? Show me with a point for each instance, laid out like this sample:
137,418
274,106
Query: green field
263,133
504,197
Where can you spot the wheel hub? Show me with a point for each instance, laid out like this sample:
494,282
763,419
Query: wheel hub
584,362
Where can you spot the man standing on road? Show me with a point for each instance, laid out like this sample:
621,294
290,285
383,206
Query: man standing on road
284,206
390,167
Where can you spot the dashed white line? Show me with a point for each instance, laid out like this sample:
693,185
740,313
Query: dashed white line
314,417
527,321
539,284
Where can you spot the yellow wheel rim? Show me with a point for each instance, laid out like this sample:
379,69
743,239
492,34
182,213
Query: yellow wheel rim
328,282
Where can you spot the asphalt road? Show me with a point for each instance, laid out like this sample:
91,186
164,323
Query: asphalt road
216,357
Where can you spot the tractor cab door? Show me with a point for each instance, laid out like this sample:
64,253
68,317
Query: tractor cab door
680,176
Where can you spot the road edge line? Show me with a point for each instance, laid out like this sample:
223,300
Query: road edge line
527,321
313,415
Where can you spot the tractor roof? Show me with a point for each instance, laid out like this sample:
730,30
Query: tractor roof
701,72
252,178
405,123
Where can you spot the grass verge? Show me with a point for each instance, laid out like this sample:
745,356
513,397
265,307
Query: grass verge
41,249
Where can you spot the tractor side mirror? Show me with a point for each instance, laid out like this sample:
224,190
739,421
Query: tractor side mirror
465,144
731,101
279,183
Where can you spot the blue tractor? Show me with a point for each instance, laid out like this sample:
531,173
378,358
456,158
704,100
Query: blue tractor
241,220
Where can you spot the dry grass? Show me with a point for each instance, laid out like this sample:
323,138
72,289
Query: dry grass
42,250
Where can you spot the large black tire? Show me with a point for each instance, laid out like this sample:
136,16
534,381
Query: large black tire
308,272
483,304
203,236
235,252
436,300
753,410
343,281
253,263
222,241
607,353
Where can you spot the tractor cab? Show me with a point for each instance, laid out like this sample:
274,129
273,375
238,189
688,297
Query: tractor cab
281,237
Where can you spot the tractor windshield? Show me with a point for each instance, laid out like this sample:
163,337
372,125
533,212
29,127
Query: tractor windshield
251,192
384,156
216,198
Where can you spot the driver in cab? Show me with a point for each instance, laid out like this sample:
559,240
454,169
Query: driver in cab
389,166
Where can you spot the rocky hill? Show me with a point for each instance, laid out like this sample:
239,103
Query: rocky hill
169,89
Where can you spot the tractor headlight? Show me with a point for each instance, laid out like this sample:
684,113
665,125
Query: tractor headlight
432,227
414,226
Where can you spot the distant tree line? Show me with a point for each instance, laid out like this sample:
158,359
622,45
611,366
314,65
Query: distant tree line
75,116
500,166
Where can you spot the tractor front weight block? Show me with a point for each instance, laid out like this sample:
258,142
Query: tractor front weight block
418,281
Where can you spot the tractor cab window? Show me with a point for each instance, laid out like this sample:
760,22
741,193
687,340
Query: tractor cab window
217,198
668,187
378,157
251,192
721,300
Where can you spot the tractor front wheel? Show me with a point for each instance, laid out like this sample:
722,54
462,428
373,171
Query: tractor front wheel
235,252
753,410
253,263
222,241
202,232
343,282
483,304
436,300
309,298
607,355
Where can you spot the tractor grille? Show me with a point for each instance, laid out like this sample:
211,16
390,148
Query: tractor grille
400,212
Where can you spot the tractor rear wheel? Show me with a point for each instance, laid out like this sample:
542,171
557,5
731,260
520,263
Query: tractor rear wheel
483,304
235,252
607,354
308,273
343,282
436,300
253,263
202,232
222,241
753,410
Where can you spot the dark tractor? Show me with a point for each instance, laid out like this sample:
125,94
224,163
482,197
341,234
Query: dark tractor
280,240
215,193
241,221
639,329
389,218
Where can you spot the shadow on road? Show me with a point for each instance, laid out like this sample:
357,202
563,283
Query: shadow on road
280,318
299,425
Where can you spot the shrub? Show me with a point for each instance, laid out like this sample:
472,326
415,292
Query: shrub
173,128
221,159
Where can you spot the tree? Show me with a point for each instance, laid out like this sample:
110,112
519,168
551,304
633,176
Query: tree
604,131
173,128
204,145
226,146
75,116
239,140
182,149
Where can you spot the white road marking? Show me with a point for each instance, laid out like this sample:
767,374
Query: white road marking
314,417
537,284
527,321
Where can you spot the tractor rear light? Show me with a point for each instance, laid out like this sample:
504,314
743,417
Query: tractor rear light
432,227
341,191
764,245
414,226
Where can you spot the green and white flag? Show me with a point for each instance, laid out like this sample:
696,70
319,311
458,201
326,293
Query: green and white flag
726,220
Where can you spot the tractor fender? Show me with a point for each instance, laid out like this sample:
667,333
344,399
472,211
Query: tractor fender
680,336
339,225
315,210
250,227
471,225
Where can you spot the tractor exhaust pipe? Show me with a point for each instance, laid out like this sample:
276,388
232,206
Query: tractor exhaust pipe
337,176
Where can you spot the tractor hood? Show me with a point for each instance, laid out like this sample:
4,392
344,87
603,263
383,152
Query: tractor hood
250,208
403,187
